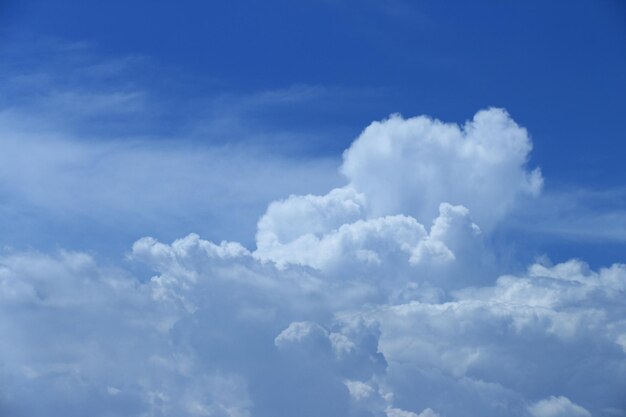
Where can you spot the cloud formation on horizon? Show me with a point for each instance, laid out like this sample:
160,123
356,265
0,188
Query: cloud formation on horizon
380,298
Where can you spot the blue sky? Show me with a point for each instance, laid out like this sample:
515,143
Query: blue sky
557,68
549,65
372,195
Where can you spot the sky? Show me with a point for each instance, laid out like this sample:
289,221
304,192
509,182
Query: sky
314,208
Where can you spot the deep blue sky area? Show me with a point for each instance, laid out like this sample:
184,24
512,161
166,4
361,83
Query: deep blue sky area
558,68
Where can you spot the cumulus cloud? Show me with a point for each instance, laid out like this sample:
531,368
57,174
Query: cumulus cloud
378,299
410,166
534,334
557,407
403,175
396,412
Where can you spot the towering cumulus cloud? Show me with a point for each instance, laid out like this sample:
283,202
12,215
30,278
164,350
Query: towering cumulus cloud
411,166
379,299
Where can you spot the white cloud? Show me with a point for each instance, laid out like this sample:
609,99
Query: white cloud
410,166
57,180
396,412
213,313
351,305
359,390
557,407
300,331
332,233
92,146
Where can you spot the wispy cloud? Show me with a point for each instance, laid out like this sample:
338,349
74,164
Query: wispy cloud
81,150
576,214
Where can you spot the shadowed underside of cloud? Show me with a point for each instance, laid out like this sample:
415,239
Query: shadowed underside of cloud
378,299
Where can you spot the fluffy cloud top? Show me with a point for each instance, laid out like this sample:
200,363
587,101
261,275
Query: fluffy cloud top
378,299
557,407
410,166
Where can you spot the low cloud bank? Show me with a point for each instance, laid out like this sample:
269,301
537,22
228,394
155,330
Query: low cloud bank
378,299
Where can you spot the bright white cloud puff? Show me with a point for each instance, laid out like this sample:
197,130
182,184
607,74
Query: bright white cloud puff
410,166
557,407
379,299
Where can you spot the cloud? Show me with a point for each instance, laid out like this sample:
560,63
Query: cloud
576,214
531,335
215,318
557,407
349,306
120,190
410,166
93,146
327,234
396,412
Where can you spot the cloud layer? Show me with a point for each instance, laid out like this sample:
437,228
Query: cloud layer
381,298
